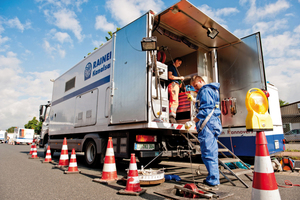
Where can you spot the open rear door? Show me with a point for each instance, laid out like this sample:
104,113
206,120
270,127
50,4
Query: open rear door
129,99
240,69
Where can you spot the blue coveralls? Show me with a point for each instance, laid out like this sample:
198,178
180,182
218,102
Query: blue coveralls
207,98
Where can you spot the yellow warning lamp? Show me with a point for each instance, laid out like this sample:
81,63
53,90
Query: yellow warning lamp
258,118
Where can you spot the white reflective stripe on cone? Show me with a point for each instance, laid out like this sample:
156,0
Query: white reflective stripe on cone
109,152
64,157
132,166
135,179
48,151
34,153
73,164
73,156
265,194
262,164
48,156
64,147
109,167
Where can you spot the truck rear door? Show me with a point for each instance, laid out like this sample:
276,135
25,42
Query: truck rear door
129,92
240,68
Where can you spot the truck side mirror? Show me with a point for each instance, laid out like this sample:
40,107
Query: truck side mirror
41,113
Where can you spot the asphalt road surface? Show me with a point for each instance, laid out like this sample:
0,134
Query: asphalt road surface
23,178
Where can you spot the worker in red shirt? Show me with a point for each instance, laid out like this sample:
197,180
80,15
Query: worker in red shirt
173,88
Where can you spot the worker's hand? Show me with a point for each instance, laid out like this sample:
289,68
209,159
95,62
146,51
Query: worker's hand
196,119
181,78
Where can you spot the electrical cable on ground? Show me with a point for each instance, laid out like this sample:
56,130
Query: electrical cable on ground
288,184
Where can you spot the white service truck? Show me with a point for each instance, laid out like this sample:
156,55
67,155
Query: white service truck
3,136
23,136
120,91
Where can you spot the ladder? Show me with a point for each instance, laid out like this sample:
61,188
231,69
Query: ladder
223,168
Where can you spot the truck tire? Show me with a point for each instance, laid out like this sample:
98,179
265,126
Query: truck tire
90,154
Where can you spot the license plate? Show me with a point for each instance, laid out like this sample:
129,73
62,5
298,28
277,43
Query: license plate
276,142
143,146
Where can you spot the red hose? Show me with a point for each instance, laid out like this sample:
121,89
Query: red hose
288,184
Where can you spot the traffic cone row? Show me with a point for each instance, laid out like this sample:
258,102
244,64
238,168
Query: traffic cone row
264,184
73,164
109,172
133,181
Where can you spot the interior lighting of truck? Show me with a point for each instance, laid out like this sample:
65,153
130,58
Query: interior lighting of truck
146,138
212,33
258,118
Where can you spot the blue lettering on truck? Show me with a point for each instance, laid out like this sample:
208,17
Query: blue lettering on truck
90,69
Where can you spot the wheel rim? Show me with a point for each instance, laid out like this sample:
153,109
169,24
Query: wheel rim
90,153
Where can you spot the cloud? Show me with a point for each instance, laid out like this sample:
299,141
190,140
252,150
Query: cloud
97,43
268,11
3,39
62,3
279,45
62,37
15,23
217,14
55,50
125,11
102,24
66,19
270,27
242,32
284,74
23,91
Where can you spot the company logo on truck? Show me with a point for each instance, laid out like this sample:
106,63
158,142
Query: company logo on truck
88,71
95,68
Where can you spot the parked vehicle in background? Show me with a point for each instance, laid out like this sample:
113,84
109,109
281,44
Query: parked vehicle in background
292,135
3,136
23,136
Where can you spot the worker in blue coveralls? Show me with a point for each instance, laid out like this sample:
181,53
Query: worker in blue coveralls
207,102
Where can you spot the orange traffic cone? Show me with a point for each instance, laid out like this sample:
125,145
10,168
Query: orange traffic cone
64,155
73,164
48,155
133,181
109,172
31,149
264,182
34,153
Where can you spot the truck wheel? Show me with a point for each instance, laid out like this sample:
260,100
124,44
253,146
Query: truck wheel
90,154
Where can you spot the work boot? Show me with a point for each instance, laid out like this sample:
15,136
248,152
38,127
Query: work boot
172,119
206,186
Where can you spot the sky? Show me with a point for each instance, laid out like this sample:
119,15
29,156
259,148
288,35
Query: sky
42,39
